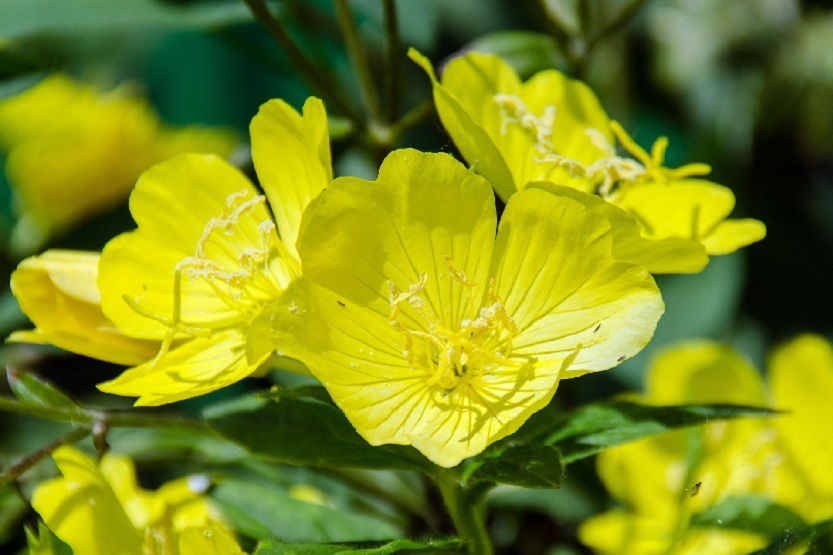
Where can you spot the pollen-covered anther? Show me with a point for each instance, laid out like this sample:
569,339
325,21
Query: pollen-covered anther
514,111
448,357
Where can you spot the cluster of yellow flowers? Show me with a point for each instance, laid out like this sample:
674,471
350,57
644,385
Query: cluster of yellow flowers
664,481
430,322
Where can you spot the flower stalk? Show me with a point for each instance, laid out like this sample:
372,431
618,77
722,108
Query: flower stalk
467,510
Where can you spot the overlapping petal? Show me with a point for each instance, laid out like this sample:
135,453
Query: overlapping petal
57,290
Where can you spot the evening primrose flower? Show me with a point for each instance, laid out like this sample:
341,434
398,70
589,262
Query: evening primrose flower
553,129
74,151
209,254
57,291
665,480
98,509
427,330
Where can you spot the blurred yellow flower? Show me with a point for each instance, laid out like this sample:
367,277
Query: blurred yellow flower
98,509
427,330
74,151
664,481
57,290
553,129
210,253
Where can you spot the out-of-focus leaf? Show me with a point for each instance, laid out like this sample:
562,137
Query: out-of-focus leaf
80,17
401,547
264,510
750,513
593,428
811,539
12,511
32,389
526,51
528,466
303,427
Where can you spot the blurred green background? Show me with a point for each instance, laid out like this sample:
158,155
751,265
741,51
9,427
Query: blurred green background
745,86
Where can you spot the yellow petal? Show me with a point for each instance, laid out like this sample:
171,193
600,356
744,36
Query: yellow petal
690,209
194,368
180,207
424,212
207,541
563,302
82,509
469,136
57,290
703,372
617,532
730,235
801,378
292,157
670,255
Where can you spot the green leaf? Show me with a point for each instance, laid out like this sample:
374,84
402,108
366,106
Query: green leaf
593,428
750,513
81,17
811,539
528,466
45,542
301,428
34,390
526,51
401,547
252,506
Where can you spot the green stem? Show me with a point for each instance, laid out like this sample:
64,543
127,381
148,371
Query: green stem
13,472
319,82
90,417
467,510
615,24
392,75
413,117
359,60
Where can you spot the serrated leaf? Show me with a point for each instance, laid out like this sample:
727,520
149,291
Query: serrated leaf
526,51
30,388
304,431
751,513
81,17
400,547
252,506
593,428
528,466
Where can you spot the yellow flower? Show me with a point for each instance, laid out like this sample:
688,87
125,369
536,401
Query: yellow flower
553,129
801,381
74,151
57,291
209,254
100,510
427,330
663,481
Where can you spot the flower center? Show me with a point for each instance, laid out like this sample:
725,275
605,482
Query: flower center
472,350
241,260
